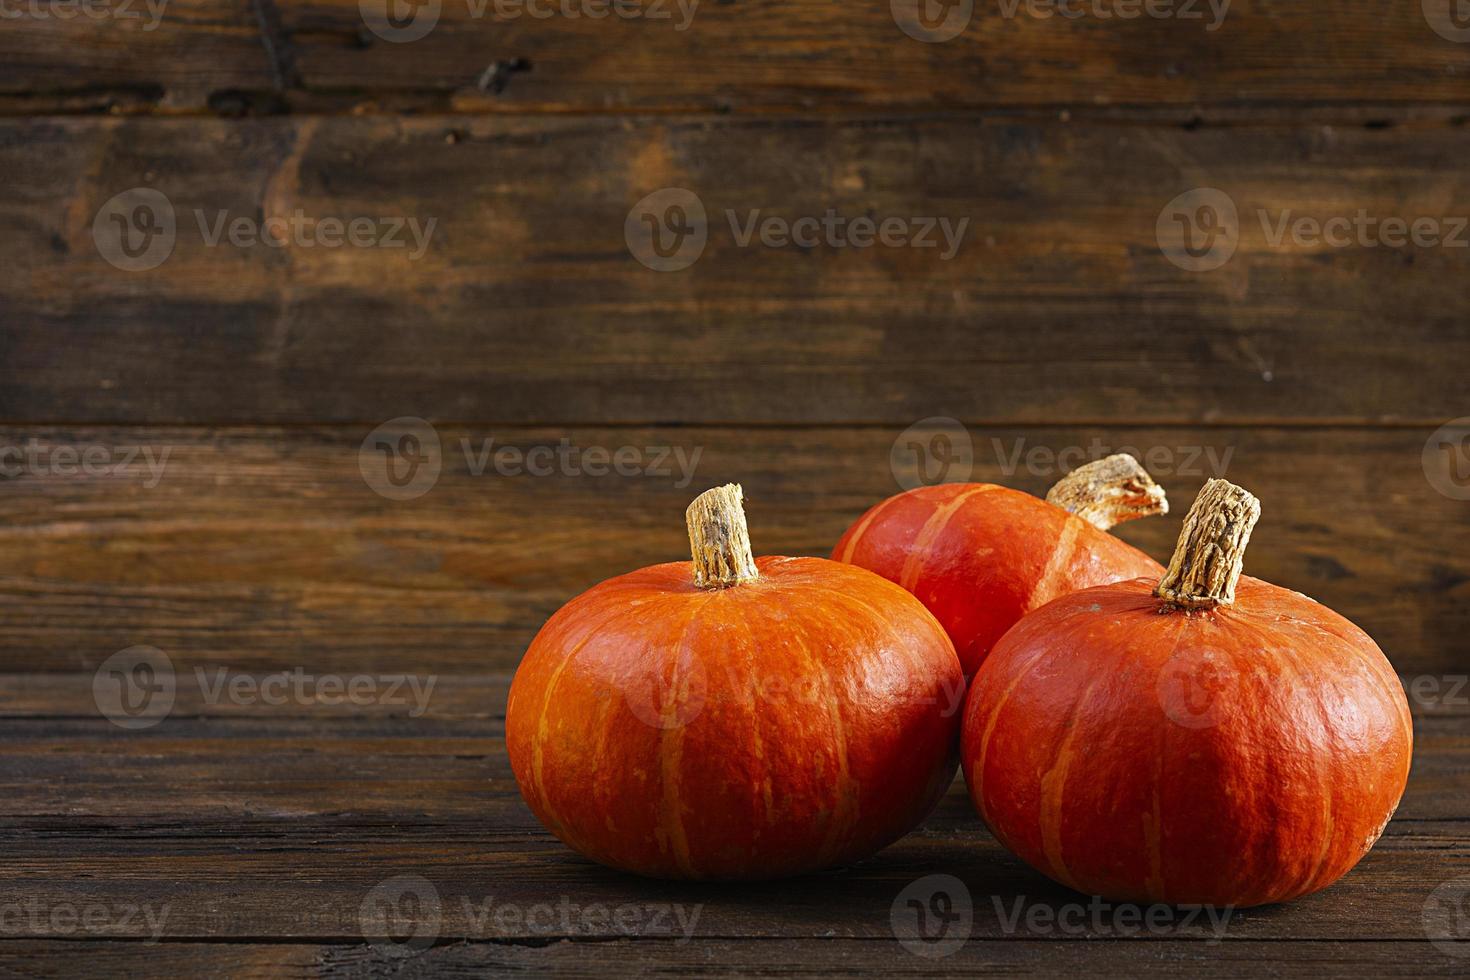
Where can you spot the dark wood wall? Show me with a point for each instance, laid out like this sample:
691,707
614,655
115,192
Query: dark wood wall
1320,371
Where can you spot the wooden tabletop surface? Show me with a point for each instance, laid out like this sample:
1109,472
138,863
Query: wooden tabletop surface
256,646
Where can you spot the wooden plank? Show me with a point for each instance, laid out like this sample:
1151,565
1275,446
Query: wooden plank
265,549
255,771
141,55
758,56
528,307
733,958
237,886
216,772
274,869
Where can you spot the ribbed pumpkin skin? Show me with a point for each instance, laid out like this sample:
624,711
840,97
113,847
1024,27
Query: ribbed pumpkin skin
981,556
1240,756
815,720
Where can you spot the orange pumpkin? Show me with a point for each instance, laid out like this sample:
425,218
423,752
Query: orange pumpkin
734,718
1186,741
981,556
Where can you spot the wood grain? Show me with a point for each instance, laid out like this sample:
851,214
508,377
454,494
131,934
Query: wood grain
726,957
264,548
266,826
528,307
757,55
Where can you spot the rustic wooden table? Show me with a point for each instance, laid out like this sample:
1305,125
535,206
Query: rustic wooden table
253,670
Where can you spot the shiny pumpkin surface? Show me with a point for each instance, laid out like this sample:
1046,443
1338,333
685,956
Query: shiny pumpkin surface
1247,754
981,556
795,722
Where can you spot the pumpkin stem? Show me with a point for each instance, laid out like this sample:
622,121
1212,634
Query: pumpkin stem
1211,549
1109,491
719,538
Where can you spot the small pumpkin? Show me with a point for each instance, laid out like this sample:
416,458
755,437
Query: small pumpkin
734,718
1194,740
980,556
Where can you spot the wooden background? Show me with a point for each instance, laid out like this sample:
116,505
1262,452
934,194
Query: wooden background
1321,372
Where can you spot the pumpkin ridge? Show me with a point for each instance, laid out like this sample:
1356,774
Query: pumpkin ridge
1153,837
1053,787
671,818
913,563
846,802
861,528
543,725
1062,552
992,718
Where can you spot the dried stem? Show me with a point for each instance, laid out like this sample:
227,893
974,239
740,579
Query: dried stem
1109,491
1211,549
719,539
